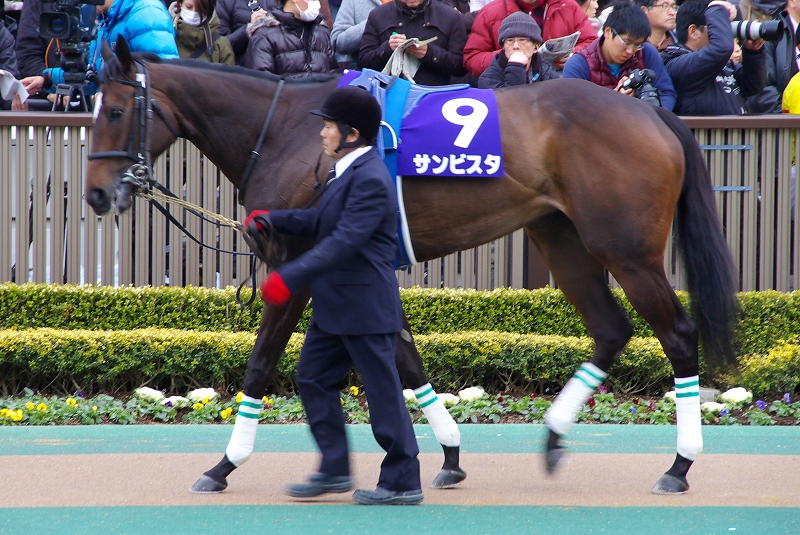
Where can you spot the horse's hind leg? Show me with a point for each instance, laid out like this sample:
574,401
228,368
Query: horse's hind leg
582,279
651,295
412,374
273,335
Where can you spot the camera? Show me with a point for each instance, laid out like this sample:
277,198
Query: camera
71,23
641,81
746,30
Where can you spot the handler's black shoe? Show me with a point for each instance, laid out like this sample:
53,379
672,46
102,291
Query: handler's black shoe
381,496
319,484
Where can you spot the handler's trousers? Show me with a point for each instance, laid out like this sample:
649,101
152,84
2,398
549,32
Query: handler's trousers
324,361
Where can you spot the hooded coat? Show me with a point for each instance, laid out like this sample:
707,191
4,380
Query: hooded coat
188,38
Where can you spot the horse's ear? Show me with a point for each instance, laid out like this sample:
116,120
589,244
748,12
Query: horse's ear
123,54
106,51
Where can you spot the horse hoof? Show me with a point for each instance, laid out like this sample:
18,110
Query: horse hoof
206,485
552,459
670,485
449,479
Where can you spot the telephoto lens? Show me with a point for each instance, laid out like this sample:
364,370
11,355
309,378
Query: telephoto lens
746,30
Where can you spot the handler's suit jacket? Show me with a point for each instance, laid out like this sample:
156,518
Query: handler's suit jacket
353,286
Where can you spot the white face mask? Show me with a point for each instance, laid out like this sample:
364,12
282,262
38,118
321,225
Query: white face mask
312,12
191,18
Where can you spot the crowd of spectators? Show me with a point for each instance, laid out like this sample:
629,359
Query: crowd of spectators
694,62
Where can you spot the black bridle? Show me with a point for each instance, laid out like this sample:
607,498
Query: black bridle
140,175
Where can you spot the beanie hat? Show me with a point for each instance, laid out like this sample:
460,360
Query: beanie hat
520,24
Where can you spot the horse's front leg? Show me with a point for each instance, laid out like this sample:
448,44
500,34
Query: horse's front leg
412,374
276,328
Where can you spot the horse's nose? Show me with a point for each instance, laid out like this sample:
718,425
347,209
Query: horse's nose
99,200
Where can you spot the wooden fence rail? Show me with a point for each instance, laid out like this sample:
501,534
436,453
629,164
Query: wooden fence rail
49,234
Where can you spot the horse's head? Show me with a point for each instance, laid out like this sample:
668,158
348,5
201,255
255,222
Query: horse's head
123,131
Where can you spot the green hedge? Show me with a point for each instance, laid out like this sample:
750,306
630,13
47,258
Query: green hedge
65,361
767,318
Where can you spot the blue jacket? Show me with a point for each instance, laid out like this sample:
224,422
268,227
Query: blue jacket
145,24
350,268
578,67
706,80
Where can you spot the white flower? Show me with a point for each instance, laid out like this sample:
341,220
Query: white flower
409,395
448,399
178,402
670,396
736,396
148,394
712,407
471,393
199,394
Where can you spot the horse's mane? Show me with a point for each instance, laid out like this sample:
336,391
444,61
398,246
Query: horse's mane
114,69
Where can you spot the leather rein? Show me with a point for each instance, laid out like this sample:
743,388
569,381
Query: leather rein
140,176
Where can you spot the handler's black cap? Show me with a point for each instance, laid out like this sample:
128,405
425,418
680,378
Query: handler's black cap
355,107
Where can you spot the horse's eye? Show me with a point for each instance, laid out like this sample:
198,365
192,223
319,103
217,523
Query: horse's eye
114,114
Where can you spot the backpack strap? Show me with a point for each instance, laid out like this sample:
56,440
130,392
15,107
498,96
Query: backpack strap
208,45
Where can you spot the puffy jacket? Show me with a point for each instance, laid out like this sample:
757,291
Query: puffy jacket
561,17
588,64
188,38
781,66
146,26
234,16
707,81
444,57
283,44
501,73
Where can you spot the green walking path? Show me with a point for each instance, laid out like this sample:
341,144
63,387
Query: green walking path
127,480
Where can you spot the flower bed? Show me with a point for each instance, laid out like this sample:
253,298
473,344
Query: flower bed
471,405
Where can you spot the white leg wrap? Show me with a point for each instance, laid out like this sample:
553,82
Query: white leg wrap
687,414
244,431
564,410
444,427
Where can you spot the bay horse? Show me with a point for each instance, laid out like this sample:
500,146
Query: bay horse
594,178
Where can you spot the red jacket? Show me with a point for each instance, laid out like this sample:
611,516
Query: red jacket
561,17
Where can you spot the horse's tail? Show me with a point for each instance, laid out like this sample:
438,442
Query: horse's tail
710,271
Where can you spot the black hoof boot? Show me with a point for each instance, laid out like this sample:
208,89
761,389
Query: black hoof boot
215,479
554,454
674,480
451,474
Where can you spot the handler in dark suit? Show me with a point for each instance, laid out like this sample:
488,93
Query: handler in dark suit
356,301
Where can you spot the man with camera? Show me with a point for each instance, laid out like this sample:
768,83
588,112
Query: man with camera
782,61
622,60
707,81
145,24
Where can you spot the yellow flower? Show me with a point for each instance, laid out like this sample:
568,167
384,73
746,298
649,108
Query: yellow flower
342,400
30,406
94,408
41,407
16,416
197,406
206,401
71,402
226,412
267,401
3,413
239,397
353,390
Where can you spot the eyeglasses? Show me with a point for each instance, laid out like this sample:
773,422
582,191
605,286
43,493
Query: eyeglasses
521,41
666,7
626,44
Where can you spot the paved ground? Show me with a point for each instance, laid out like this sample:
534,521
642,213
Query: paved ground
127,480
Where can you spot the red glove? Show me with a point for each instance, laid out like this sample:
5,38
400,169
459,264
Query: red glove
274,291
253,215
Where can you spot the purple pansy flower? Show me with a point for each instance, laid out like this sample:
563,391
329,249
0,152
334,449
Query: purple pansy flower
724,412
761,405
787,398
